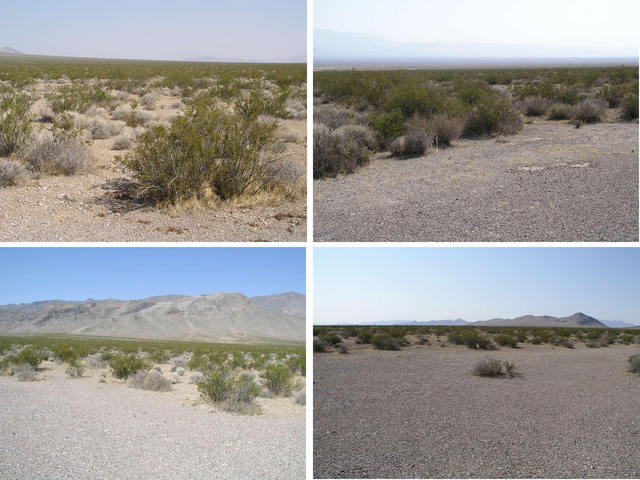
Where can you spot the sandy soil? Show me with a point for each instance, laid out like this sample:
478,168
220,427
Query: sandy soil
99,206
550,182
59,427
419,413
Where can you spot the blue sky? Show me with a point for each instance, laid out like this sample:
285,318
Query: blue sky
30,274
372,284
155,29
582,23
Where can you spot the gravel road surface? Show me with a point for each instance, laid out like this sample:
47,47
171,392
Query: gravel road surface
550,182
74,429
419,413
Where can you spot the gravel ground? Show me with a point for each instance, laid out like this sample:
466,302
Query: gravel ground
62,428
551,182
419,413
92,208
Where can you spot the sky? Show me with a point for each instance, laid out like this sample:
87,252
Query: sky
377,284
31,274
610,23
155,29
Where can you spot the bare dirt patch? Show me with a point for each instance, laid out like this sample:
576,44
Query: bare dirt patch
420,413
550,182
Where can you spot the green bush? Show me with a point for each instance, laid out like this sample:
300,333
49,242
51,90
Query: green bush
471,339
298,364
15,123
630,107
123,366
364,336
506,341
79,97
206,149
492,117
217,385
331,339
278,379
65,353
29,356
388,125
385,342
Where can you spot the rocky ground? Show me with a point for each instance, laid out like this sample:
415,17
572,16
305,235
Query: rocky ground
59,428
419,413
550,182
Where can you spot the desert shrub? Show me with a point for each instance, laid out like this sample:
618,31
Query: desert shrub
319,347
385,342
536,340
388,125
12,173
559,111
65,353
55,154
244,390
415,142
630,107
634,364
123,366
343,349
589,110
441,128
78,97
217,385
301,398
121,112
356,133
533,106
29,356
15,123
149,380
24,372
95,362
364,336
625,338
205,149
123,142
471,339
298,364
74,369
278,379
507,341
100,128
148,100
331,339
494,368
492,117
334,154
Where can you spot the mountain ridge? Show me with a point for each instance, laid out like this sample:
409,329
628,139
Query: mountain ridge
221,316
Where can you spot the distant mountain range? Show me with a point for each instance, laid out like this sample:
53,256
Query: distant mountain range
576,320
332,47
296,59
9,51
222,317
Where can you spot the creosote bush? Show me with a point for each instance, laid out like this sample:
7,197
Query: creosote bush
506,341
630,107
123,366
15,123
206,149
278,379
217,385
534,106
385,342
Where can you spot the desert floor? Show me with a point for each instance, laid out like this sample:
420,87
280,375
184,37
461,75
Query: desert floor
550,182
419,413
60,427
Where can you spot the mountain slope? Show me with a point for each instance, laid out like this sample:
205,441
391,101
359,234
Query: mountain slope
291,303
9,51
225,317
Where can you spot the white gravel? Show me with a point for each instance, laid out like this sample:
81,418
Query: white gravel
72,429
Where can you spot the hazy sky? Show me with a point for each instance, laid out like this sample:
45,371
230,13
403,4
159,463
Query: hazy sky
609,23
371,284
155,29
30,274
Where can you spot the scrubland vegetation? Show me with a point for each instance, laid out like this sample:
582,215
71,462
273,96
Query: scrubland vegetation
357,113
229,376
333,338
187,131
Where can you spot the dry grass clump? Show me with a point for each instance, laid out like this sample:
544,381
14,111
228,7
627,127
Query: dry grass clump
533,106
55,154
149,100
121,112
150,380
123,142
494,368
334,116
441,128
295,108
589,110
334,154
12,173
290,136
559,111
356,133
23,372
100,128
301,398
74,370
634,364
